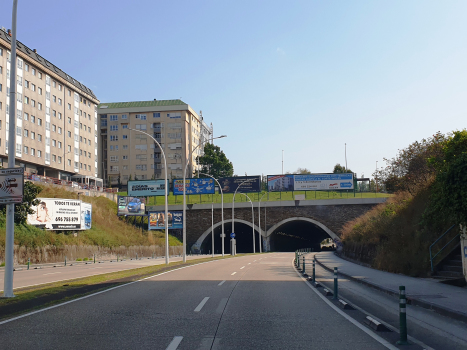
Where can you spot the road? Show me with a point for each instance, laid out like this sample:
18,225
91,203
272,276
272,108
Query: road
32,277
250,302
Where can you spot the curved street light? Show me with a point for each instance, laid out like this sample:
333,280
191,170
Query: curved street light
184,192
259,224
233,210
222,208
253,219
166,198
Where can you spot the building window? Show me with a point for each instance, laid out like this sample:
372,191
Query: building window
39,121
89,167
54,158
141,116
141,126
59,130
26,116
33,119
124,126
114,128
39,90
125,137
69,107
59,144
33,103
141,167
69,162
125,157
89,142
26,133
114,158
39,154
113,117
59,115
114,137
125,146
141,147
60,101
18,131
33,135
69,133
33,152
59,159
124,116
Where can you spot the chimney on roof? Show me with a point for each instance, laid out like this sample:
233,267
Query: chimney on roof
34,50
9,32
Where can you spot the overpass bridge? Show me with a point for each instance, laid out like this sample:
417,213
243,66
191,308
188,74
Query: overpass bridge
285,225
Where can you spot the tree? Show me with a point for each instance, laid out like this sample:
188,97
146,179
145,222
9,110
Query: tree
339,169
29,199
214,162
301,171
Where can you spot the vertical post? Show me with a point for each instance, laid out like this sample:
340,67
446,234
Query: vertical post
137,254
313,279
10,208
402,317
212,228
304,264
29,260
117,257
94,258
335,284
65,260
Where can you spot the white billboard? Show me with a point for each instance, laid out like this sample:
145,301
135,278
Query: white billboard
310,182
11,185
61,214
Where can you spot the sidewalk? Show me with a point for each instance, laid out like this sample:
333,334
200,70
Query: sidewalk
446,300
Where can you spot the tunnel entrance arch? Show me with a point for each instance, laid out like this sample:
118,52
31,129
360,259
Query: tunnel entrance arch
296,233
244,236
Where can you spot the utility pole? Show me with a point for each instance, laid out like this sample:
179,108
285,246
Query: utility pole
282,162
10,208
346,157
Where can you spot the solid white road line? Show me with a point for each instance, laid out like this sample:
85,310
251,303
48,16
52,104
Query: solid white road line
50,273
242,267
174,343
233,274
350,319
201,304
101,292
220,284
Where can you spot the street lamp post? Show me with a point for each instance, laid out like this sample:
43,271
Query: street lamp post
233,210
259,224
184,192
253,220
166,198
222,208
10,208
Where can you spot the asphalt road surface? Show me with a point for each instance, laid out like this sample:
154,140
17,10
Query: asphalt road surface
32,277
251,302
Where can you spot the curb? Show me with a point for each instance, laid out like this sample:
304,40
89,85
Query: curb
411,301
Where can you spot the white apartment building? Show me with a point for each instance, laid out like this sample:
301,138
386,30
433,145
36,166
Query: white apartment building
56,119
130,154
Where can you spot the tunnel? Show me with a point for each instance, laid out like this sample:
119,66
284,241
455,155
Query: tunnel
297,234
243,235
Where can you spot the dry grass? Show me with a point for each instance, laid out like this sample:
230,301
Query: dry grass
392,236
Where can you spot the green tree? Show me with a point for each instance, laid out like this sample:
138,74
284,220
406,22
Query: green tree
214,162
301,171
29,199
340,169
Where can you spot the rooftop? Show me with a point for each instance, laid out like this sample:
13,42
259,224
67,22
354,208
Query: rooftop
46,64
135,104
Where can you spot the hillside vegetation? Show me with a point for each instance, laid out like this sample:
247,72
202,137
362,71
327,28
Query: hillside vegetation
430,181
107,229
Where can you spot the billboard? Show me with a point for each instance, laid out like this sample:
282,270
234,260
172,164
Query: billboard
194,186
86,215
128,205
310,182
56,214
11,185
145,188
230,184
157,222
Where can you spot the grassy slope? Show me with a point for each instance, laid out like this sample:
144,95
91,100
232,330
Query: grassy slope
392,236
107,229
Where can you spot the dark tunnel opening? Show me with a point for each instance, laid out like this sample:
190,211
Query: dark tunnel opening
295,235
288,237
243,235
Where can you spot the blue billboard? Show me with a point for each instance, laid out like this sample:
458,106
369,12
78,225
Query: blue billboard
310,182
157,220
145,188
194,186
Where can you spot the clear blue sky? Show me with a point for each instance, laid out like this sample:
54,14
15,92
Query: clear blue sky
305,77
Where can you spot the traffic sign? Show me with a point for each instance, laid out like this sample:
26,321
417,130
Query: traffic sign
11,185
232,235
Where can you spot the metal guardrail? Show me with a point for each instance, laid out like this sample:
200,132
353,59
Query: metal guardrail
431,246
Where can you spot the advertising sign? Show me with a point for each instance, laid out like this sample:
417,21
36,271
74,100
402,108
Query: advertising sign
230,184
194,186
147,188
86,215
11,185
130,206
310,182
56,214
157,222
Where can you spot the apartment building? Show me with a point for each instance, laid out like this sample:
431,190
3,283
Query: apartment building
130,154
56,119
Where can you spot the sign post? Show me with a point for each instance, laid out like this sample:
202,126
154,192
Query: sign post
232,243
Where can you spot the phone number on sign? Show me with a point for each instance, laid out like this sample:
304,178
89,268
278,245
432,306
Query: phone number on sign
66,219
